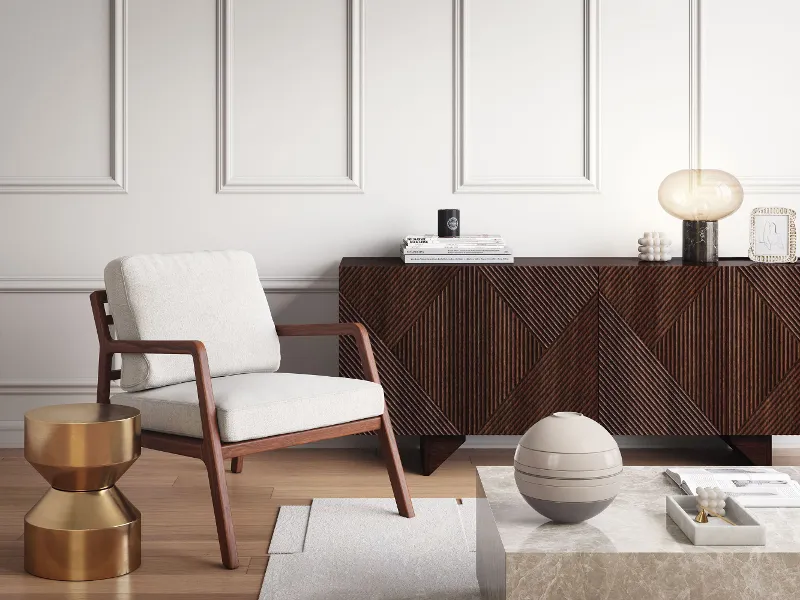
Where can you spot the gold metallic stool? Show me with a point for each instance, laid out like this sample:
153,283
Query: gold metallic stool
83,528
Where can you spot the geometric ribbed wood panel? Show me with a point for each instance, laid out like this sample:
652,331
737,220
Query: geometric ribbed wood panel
728,350
637,394
715,336
779,286
649,300
565,378
410,407
475,349
546,298
647,349
468,350
389,302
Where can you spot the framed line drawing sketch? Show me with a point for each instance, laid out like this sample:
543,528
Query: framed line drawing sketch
773,238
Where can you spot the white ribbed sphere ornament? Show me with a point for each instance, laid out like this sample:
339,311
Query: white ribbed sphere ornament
568,467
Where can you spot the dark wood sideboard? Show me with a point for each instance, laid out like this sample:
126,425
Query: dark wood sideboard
645,349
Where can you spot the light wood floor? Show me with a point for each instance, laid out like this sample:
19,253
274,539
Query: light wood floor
179,545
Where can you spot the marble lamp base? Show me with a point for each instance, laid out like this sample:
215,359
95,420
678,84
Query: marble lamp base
700,242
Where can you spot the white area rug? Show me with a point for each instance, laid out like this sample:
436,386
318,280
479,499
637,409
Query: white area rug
362,549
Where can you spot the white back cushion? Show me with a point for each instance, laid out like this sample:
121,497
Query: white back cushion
214,297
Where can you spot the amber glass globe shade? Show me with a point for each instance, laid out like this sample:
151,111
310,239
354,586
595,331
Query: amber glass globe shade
700,194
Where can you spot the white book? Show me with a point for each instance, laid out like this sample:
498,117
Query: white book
456,248
463,239
457,259
454,243
427,250
756,487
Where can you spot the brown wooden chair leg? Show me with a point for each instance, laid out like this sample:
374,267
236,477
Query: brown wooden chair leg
395,468
237,464
222,508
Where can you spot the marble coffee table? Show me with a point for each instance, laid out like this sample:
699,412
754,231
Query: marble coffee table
631,551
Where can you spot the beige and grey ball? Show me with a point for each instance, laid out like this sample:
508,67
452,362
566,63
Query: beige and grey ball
568,467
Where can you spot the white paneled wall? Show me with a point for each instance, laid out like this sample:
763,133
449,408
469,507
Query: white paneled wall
309,130
301,132
523,124
746,105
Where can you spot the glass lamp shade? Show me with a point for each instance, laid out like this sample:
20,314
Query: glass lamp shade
700,194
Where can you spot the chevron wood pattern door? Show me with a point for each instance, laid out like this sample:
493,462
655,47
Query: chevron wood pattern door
700,350
486,349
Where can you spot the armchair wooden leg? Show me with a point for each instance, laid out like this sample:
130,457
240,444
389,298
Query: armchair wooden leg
222,508
237,464
395,468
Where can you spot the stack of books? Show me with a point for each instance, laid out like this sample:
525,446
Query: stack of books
465,249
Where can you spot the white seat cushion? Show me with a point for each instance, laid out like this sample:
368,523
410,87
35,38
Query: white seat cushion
256,405
213,297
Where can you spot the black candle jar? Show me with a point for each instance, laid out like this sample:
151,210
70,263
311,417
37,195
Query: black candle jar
449,222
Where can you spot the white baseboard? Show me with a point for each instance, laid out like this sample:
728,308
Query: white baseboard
11,434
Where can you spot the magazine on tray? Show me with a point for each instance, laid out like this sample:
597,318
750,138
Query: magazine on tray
755,487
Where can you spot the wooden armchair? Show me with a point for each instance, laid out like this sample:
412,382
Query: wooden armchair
208,446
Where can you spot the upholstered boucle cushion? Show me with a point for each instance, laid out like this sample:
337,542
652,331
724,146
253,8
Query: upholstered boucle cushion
257,405
213,297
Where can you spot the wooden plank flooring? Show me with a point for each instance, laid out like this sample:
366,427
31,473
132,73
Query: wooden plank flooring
179,545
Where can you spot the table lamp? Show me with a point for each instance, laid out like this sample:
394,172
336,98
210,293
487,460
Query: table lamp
700,197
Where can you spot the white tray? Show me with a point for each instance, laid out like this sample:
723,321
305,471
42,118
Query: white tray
747,531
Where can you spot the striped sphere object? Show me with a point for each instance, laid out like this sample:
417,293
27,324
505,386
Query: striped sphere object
568,467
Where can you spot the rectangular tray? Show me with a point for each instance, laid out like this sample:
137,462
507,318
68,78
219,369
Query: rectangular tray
747,532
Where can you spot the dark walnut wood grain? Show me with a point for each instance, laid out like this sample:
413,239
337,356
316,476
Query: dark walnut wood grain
646,349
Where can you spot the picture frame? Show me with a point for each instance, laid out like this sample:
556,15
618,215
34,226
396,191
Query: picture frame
773,235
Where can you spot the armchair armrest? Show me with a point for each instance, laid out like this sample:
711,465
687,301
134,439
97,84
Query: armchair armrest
155,347
357,330
202,374
354,329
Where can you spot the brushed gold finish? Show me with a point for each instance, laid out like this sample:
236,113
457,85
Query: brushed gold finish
726,519
84,528
82,447
702,516
77,536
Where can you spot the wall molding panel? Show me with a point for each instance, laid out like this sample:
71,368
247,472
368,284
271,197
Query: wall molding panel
227,180
80,387
85,285
751,183
589,182
116,182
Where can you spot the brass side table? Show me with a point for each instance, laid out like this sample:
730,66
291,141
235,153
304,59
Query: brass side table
83,528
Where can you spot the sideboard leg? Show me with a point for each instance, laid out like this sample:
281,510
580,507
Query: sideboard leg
435,449
757,449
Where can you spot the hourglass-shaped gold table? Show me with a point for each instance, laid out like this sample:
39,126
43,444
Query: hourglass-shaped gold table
83,528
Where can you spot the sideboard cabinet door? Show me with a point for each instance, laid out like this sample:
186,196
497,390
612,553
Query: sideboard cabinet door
699,350
486,349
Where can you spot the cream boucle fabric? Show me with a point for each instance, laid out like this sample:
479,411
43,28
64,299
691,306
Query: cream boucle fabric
213,297
256,405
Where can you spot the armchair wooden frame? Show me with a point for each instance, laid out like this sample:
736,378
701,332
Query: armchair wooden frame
210,449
